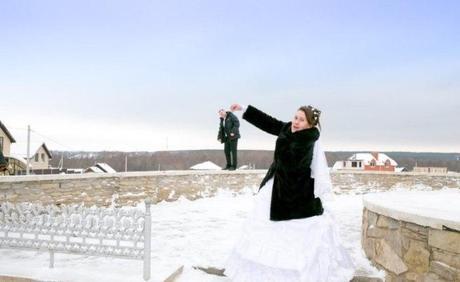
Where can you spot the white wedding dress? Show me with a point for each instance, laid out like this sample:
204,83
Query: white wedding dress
297,250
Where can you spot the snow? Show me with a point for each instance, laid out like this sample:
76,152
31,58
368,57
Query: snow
94,169
184,232
368,157
208,165
106,168
428,208
101,168
399,169
20,159
337,165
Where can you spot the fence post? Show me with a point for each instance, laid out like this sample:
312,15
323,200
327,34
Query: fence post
147,239
51,258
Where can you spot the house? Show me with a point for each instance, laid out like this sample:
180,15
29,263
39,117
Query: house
6,139
100,168
367,162
14,164
435,170
17,155
41,158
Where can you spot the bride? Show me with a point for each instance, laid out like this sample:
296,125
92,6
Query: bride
290,236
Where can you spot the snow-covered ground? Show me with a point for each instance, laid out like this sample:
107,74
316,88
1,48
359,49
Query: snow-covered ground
184,232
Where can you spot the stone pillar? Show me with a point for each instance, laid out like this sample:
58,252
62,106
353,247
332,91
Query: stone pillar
410,252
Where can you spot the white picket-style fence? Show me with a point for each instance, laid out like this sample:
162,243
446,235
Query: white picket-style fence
115,232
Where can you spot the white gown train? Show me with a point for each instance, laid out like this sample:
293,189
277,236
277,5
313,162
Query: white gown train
298,250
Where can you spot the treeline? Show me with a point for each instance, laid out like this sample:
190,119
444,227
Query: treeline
162,160
260,159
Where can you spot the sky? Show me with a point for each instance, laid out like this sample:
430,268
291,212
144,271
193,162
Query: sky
151,75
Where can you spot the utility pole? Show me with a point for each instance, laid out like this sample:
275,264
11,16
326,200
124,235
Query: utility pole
28,150
61,162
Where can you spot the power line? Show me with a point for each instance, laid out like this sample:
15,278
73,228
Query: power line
51,139
18,128
41,135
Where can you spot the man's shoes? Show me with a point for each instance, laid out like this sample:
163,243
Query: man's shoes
231,168
226,168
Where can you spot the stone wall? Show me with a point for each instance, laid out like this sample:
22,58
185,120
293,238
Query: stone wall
131,187
123,188
411,252
364,182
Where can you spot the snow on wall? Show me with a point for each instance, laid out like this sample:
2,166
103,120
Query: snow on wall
132,187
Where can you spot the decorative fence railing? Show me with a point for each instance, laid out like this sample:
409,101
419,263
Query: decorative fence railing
124,233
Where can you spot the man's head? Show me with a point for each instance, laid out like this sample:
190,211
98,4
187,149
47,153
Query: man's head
222,113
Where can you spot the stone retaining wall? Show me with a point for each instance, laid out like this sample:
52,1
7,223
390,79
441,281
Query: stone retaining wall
411,252
123,188
131,187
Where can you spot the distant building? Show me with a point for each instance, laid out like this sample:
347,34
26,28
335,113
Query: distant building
435,170
17,155
74,171
41,158
38,161
5,140
367,162
100,168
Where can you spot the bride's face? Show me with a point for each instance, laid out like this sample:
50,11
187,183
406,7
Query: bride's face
299,122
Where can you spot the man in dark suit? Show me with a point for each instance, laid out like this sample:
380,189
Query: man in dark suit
229,132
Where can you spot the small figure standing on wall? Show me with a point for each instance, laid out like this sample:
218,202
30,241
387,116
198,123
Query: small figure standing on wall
229,133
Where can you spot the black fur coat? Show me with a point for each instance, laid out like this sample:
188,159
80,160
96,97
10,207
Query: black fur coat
293,188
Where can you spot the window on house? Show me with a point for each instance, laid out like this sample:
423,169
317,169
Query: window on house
387,163
36,157
43,157
354,164
373,163
359,164
1,144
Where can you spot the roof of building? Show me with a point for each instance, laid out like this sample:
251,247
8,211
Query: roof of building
22,150
368,157
3,127
100,168
94,169
46,150
207,165
105,167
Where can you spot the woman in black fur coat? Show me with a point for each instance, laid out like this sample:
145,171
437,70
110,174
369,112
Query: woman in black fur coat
290,236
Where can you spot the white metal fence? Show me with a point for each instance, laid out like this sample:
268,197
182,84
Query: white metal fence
124,233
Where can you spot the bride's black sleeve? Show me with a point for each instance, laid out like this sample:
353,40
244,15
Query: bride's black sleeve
263,121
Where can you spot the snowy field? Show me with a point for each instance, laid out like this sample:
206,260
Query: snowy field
184,232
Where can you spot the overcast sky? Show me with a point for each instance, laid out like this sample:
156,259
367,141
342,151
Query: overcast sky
151,75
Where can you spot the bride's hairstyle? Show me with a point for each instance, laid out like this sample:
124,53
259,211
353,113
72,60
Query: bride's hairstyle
312,115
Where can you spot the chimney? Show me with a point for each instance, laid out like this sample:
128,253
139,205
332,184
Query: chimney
375,155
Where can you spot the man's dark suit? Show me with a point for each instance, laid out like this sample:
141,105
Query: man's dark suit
229,132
